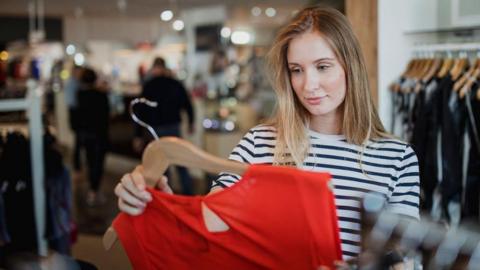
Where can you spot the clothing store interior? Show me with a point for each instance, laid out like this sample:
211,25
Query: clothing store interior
273,134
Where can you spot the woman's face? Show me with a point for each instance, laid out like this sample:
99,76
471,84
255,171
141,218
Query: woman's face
316,75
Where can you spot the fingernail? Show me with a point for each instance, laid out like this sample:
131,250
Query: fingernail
148,196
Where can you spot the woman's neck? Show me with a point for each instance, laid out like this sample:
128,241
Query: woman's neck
330,124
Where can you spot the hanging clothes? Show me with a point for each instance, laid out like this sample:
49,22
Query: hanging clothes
17,190
278,218
472,185
424,137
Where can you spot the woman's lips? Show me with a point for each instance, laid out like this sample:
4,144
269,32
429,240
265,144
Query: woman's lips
315,100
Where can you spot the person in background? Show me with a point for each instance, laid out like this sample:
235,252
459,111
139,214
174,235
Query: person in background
172,98
325,121
71,89
94,114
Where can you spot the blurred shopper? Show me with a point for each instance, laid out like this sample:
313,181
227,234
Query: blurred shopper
172,99
71,89
94,113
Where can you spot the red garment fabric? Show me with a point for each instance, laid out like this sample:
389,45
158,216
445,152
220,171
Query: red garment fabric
278,218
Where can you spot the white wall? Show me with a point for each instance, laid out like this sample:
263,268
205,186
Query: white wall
396,21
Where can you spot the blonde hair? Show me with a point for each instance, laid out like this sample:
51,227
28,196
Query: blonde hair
360,118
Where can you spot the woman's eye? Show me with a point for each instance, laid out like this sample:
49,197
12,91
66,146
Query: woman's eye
295,70
322,67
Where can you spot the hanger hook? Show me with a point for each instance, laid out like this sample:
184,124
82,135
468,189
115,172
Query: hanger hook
137,120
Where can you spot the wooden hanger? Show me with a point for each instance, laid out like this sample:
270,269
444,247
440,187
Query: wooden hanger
434,68
446,66
468,85
458,68
166,151
162,152
463,79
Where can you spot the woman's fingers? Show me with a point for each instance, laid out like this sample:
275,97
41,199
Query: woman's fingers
126,196
135,184
162,185
129,209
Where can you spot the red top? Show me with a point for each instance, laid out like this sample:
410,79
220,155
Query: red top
278,218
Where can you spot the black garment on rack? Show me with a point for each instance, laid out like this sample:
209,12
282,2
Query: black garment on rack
472,188
425,137
4,236
453,125
17,188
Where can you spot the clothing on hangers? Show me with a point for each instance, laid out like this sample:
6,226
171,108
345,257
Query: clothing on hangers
16,189
278,218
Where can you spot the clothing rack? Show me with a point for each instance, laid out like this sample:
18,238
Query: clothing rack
32,105
444,47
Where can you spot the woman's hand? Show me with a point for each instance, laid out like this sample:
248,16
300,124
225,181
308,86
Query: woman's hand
132,194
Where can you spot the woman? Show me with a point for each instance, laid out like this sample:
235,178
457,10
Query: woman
325,121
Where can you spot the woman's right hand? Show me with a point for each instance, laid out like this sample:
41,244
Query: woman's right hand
132,194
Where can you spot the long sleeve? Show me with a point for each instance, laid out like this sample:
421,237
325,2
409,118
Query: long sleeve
405,198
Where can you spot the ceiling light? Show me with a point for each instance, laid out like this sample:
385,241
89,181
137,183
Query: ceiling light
241,37
256,11
166,15
79,59
225,32
70,50
178,25
270,12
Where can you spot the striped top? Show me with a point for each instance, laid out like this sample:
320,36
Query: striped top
390,167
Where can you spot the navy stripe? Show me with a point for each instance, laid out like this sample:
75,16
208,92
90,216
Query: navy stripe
409,174
227,181
349,208
408,184
352,170
408,156
376,183
352,188
248,140
349,219
413,164
405,202
235,153
321,146
264,145
350,242
343,197
390,141
260,155
264,130
264,138
357,161
411,193
351,254
246,150
219,183
352,231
